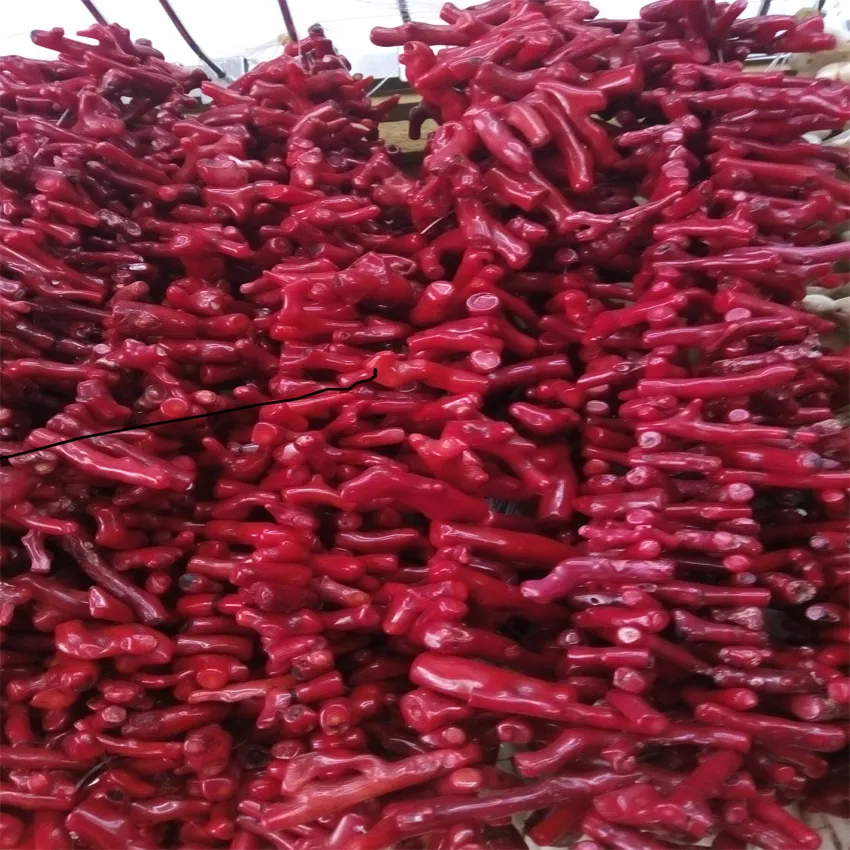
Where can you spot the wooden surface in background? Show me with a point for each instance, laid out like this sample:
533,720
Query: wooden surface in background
394,131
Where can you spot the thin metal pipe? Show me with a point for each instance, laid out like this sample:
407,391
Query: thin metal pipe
403,11
178,25
93,11
287,20
765,5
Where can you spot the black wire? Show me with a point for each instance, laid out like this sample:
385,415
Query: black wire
287,20
178,24
191,418
93,11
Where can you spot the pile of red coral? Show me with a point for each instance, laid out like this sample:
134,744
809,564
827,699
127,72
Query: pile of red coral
579,551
